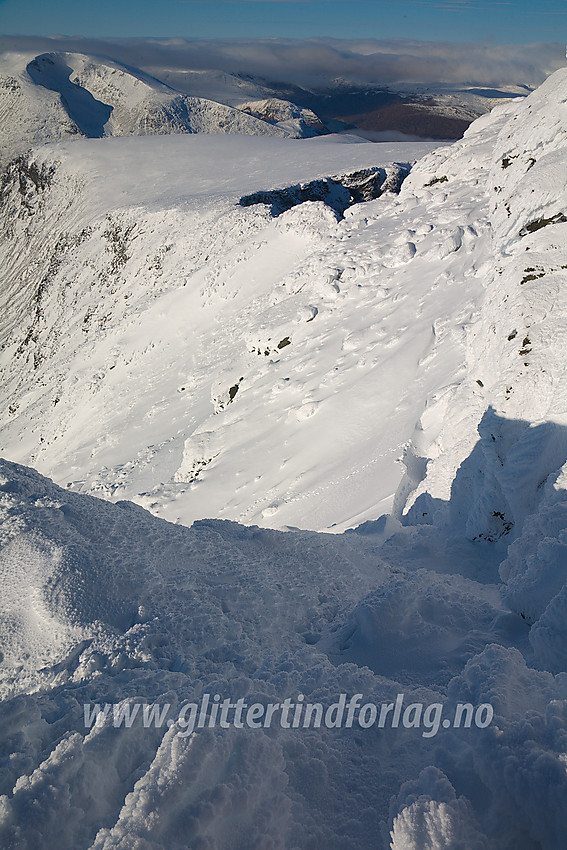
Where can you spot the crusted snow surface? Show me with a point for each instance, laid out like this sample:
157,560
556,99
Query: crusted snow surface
163,344
160,613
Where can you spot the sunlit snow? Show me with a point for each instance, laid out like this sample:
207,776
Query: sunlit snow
233,383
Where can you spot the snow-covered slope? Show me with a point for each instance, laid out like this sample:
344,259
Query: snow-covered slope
105,604
53,95
164,342
140,293
515,341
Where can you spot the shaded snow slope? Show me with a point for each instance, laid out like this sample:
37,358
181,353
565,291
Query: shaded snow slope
50,96
129,608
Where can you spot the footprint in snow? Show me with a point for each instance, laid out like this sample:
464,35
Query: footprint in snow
306,411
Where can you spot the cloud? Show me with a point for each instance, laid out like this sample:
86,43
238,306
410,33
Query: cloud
317,62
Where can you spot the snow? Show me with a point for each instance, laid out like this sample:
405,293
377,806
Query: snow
59,94
167,613
27,121
196,290
396,372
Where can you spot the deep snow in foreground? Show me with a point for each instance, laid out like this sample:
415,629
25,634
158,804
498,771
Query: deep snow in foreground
427,326
106,603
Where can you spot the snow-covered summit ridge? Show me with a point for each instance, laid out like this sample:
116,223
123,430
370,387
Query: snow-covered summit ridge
55,95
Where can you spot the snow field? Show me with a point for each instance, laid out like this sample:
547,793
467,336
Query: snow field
445,355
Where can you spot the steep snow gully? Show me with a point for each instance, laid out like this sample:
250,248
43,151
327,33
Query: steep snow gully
170,349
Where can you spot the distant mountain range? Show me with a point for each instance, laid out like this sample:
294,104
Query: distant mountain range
55,95
379,112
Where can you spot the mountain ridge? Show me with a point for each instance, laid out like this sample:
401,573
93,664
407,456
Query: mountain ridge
393,369
94,97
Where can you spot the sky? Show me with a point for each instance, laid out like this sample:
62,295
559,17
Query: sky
512,22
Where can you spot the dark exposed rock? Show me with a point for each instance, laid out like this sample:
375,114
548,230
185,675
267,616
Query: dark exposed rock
338,192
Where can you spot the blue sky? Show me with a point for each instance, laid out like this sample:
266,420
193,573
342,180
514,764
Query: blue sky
517,21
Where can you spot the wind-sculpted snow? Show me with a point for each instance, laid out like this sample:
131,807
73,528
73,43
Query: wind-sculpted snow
106,604
400,370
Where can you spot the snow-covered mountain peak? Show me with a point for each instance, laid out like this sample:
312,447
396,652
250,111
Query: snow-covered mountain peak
58,94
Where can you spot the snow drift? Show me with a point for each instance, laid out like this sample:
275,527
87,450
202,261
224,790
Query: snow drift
130,608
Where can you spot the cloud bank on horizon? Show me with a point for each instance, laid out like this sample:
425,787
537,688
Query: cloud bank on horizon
316,62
